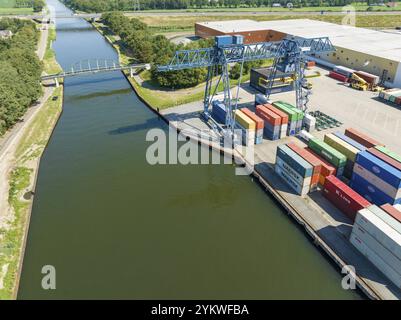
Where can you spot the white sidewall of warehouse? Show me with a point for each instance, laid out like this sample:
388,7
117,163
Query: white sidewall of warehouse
397,77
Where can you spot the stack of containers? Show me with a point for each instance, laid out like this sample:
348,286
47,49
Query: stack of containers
327,168
391,95
295,171
336,158
376,180
314,161
300,114
306,136
343,197
247,127
350,141
292,117
361,138
377,235
219,111
346,149
259,124
309,123
372,79
272,122
284,119
389,153
394,211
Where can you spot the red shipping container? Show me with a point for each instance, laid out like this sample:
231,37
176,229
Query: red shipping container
311,64
398,101
392,162
282,114
392,211
315,162
338,76
267,115
259,122
327,168
343,197
363,139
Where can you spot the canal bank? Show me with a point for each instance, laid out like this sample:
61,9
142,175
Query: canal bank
209,234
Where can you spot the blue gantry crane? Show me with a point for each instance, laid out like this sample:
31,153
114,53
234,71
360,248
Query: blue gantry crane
288,54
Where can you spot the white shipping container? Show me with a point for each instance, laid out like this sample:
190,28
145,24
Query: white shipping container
377,182
305,135
383,215
291,182
377,247
309,120
283,130
293,174
382,232
389,272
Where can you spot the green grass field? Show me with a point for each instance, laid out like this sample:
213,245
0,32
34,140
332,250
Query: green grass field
8,7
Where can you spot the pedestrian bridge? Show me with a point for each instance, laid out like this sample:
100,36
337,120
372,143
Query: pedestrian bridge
92,66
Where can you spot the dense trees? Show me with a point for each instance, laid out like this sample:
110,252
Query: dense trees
154,49
20,71
111,5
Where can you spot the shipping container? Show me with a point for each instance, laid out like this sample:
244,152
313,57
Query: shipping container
382,156
244,120
223,40
371,192
343,197
292,115
291,182
386,217
259,124
300,165
393,211
268,116
344,71
388,152
283,115
238,39
338,76
329,153
350,141
315,162
390,273
384,253
301,181
327,168
306,136
361,138
374,180
219,112
378,229
368,77
381,169
346,149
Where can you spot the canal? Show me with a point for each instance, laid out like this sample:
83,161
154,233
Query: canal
114,226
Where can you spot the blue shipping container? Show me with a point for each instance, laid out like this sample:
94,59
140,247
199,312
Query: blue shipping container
271,135
350,141
290,181
380,168
291,128
370,192
238,39
304,168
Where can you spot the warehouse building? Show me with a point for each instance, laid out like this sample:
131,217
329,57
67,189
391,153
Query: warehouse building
368,50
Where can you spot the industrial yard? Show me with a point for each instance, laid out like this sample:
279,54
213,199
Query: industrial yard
323,221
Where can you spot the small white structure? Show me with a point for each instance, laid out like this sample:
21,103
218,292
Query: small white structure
5,34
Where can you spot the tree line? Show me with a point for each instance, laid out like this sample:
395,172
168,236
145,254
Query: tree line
37,5
20,71
128,5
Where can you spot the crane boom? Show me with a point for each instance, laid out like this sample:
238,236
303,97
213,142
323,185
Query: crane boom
217,59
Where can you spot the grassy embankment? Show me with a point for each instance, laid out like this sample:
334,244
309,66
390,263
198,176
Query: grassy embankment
7,7
22,178
154,95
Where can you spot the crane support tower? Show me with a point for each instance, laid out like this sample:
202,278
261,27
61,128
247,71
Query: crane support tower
287,54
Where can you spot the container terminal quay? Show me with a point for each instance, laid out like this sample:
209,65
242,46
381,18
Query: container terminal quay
349,113
304,116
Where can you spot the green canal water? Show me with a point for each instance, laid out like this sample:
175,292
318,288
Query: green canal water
114,226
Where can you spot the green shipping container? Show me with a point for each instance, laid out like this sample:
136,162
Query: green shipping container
392,98
292,115
389,153
333,156
300,114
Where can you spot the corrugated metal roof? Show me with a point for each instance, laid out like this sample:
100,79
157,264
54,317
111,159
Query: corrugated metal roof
376,43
